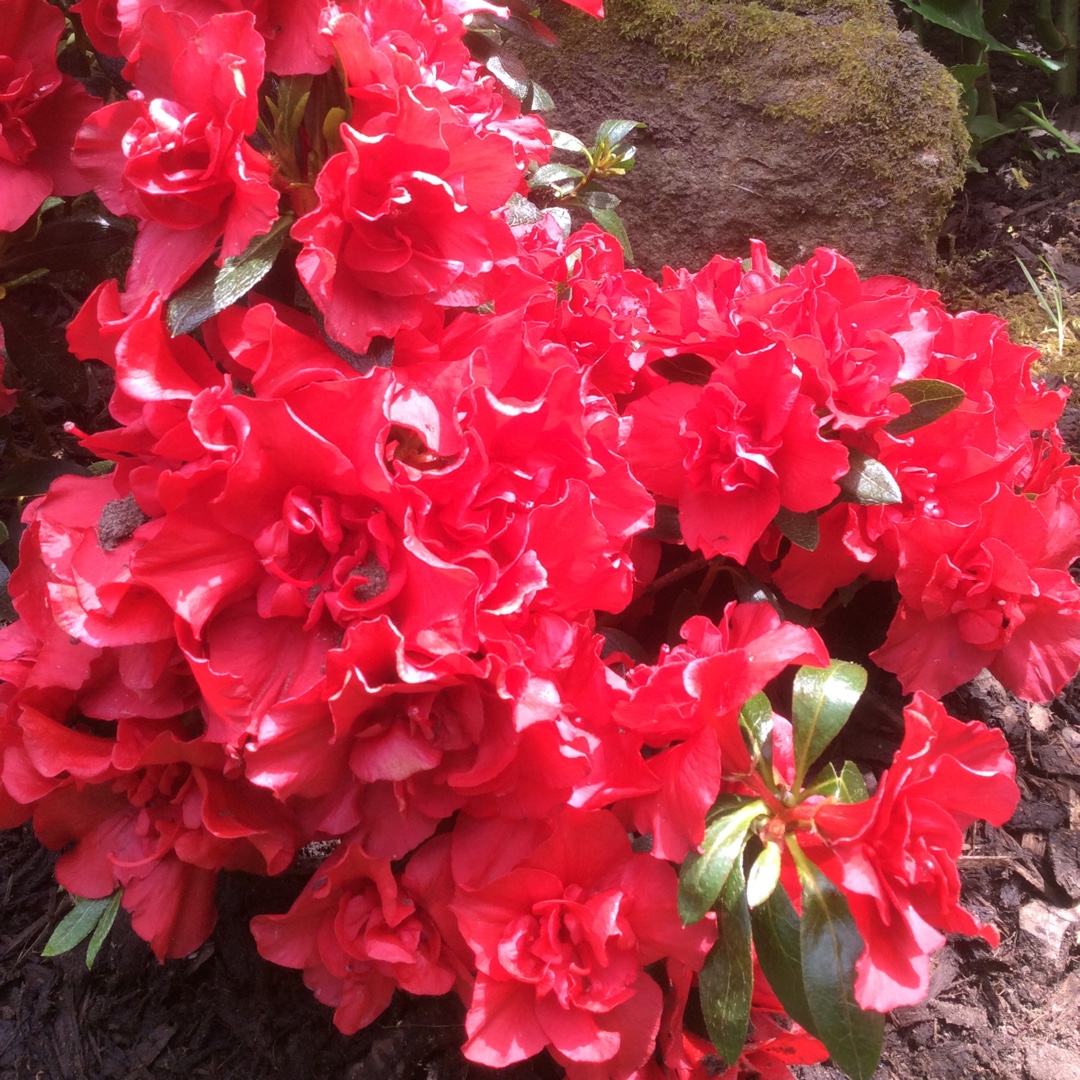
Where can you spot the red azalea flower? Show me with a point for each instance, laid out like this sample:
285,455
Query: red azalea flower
896,852
731,453
405,220
176,156
358,932
40,112
561,943
995,594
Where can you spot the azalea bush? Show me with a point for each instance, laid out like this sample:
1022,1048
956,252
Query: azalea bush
427,531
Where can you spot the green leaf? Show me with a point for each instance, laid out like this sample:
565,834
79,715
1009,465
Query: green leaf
554,173
965,17
612,132
610,222
596,199
727,978
33,478
563,140
213,289
755,724
868,482
703,875
826,783
101,931
852,784
800,528
764,875
77,924
821,702
511,73
930,399
779,952
830,947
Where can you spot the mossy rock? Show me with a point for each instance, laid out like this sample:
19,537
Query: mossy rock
801,122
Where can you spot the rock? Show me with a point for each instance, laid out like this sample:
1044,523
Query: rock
1057,928
1044,1061
804,125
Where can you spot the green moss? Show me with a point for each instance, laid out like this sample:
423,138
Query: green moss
836,66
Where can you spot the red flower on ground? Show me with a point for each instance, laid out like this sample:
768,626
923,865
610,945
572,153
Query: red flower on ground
358,932
561,944
995,594
894,855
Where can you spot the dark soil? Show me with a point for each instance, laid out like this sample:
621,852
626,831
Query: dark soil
226,1014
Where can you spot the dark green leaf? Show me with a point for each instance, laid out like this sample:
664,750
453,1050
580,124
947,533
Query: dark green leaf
800,529
563,140
101,931
539,100
929,399
703,876
511,73
554,173
868,482
826,783
34,477
779,952
727,978
595,199
852,784
684,368
965,17
756,723
76,925
610,222
82,240
830,947
821,702
612,132
213,289
764,875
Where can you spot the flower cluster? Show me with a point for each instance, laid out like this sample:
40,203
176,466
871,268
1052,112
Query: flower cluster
385,570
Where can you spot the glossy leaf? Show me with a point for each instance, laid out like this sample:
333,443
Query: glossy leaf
821,702
77,925
930,399
612,132
727,978
779,952
101,931
563,140
800,528
826,783
510,71
554,173
764,875
756,724
703,875
830,946
852,784
596,199
868,482
214,288
610,222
